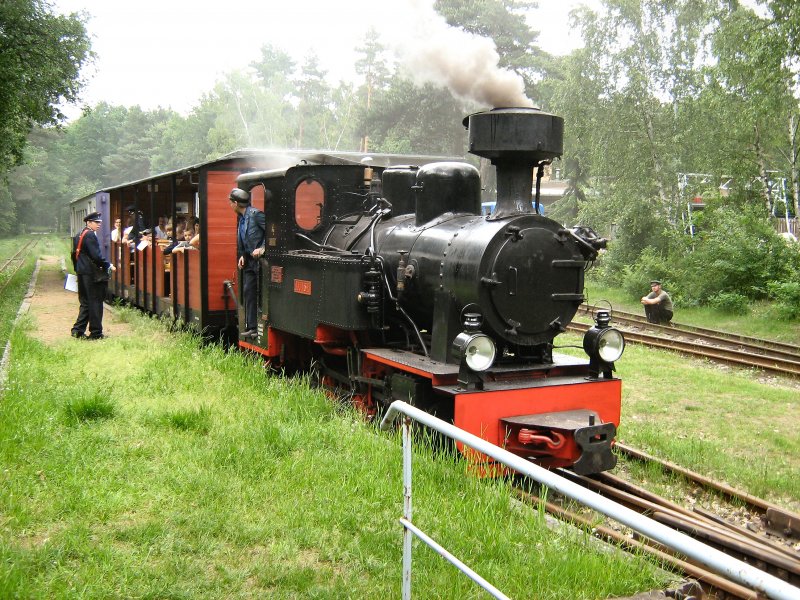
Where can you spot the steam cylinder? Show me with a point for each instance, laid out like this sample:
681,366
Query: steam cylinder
444,187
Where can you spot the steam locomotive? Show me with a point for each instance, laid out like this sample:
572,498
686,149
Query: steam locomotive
389,283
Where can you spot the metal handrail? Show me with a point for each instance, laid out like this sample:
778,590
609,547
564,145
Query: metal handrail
707,556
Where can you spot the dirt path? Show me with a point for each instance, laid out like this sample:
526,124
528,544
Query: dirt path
54,309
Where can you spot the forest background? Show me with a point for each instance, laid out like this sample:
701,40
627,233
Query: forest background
661,88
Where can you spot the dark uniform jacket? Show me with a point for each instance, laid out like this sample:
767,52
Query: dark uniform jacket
91,258
250,234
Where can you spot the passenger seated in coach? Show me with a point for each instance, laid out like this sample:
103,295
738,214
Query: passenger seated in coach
161,228
195,241
116,233
188,235
146,238
167,239
132,245
128,228
176,238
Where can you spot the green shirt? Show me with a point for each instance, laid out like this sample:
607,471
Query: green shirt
663,299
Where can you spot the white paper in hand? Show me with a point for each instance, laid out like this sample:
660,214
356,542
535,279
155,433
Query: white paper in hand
71,282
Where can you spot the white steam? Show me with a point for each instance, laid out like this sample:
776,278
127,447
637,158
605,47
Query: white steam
466,64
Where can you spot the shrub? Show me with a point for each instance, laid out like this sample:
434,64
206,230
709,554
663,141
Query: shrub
650,265
787,298
737,251
730,302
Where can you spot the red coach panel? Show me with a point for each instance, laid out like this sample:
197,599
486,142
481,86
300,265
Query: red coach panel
194,279
221,232
178,273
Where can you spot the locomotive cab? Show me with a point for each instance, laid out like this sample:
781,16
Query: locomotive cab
303,201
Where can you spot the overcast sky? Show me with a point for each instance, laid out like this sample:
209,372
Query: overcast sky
169,52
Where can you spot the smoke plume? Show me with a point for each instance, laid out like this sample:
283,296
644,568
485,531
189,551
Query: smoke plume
466,64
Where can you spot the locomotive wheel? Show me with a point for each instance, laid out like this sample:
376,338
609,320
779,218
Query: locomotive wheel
338,387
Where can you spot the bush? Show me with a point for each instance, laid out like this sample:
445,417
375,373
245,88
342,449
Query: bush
650,265
730,302
737,252
787,298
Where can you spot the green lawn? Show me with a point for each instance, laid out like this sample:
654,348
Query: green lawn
725,424
731,424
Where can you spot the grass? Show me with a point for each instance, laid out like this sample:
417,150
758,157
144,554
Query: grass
724,423
733,425
87,408
192,419
152,467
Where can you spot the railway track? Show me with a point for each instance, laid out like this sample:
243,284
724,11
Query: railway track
718,346
776,558
778,520
11,265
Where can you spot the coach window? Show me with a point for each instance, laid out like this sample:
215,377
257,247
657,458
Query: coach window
309,198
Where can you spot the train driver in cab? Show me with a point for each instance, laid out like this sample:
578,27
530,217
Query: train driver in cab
249,247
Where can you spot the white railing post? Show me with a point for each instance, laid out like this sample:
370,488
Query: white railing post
408,537
410,530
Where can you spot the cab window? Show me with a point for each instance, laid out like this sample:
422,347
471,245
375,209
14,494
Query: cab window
309,199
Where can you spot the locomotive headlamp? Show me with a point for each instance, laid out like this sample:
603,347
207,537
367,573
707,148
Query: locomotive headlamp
478,350
475,352
610,345
604,345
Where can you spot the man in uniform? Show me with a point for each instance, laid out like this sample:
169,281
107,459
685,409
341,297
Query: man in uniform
657,304
249,247
92,270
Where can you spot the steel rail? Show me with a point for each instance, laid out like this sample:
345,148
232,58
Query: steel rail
688,568
676,517
781,519
16,255
696,513
727,356
23,308
20,260
720,339
705,555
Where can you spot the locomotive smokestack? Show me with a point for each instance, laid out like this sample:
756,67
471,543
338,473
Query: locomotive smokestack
516,140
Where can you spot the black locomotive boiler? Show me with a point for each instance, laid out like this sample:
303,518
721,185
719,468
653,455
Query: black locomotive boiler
389,284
